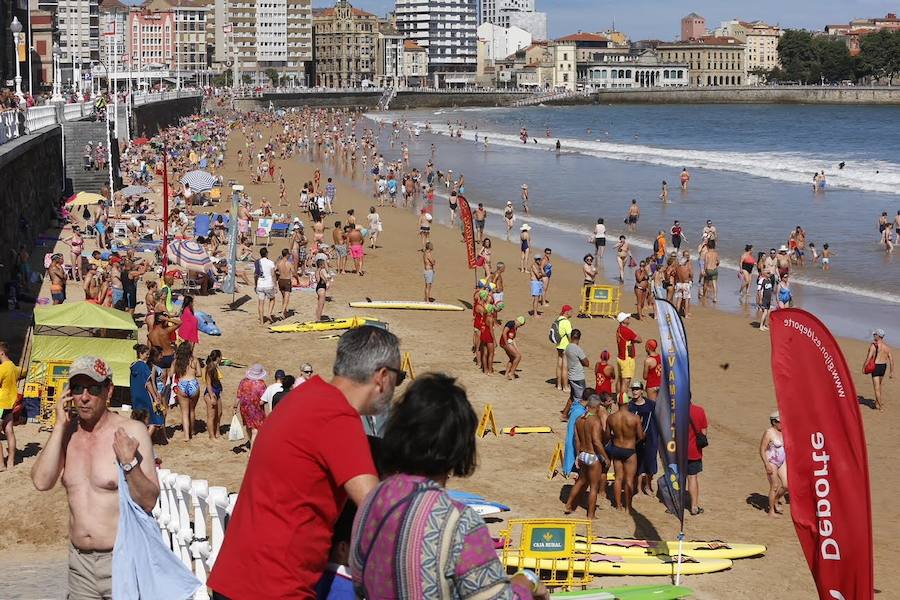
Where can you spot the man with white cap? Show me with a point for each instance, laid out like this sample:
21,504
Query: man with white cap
88,445
626,338
878,360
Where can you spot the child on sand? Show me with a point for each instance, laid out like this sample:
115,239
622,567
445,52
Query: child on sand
827,253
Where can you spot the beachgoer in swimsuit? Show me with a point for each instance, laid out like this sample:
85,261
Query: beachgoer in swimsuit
771,451
624,431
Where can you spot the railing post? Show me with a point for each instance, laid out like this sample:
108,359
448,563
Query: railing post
163,515
217,502
185,533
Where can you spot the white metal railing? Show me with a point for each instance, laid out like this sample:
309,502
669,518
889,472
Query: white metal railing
38,117
147,98
191,516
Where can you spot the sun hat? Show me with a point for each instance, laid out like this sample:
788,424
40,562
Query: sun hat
90,366
525,227
524,186
622,316
878,332
783,248
256,372
508,203
775,416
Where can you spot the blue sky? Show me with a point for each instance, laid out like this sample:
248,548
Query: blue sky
642,19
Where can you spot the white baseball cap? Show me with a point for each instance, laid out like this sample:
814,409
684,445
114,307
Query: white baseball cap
622,316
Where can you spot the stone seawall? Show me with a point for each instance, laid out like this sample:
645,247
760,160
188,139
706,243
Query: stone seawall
369,100
748,95
31,182
150,119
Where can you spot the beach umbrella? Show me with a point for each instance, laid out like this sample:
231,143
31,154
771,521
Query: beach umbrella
190,255
200,181
134,190
140,141
84,199
199,138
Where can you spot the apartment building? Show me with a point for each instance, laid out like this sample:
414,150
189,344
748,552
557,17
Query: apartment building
113,25
389,56
415,64
271,34
447,30
345,45
760,45
78,32
713,61
151,41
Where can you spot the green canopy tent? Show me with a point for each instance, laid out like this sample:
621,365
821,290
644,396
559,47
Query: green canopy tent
66,331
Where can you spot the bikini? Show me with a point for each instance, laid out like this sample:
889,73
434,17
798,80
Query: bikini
618,453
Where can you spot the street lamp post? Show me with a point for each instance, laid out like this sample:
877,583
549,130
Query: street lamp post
16,28
57,75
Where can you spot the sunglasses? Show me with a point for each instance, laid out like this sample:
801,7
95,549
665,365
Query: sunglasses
401,375
95,389
307,372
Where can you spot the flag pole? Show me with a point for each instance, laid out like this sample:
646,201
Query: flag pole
165,247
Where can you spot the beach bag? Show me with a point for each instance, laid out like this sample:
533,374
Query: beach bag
702,440
869,367
236,430
555,335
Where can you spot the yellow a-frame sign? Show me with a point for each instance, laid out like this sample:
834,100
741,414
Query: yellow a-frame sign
487,422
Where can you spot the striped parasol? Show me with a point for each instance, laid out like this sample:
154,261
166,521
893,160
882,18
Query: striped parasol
134,190
190,255
84,199
200,181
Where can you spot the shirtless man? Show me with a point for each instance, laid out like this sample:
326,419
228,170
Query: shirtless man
57,279
592,460
711,279
91,284
284,272
497,279
428,263
884,360
160,337
684,277
624,430
88,446
355,239
634,213
783,262
537,286
339,239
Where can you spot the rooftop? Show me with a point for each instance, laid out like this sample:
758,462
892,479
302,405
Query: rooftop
693,15
584,37
412,46
329,12
708,40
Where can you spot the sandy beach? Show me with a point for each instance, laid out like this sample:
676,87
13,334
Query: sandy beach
730,378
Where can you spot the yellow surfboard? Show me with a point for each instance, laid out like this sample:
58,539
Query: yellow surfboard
516,430
695,549
626,565
336,325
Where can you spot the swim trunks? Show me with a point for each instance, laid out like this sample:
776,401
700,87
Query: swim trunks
617,453
356,251
537,288
164,362
265,293
587,459
880,370
694,467
341,249
712,274
429,276
284,285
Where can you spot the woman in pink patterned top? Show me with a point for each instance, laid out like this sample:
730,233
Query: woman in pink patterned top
249,400
410,539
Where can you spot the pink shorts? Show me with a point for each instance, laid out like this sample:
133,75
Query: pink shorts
356,251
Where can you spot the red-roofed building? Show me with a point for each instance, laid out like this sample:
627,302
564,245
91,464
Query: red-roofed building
857,28
415,64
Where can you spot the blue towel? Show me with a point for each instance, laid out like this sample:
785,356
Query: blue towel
575,413
143,567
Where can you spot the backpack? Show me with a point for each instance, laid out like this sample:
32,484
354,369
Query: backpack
257,269
555,335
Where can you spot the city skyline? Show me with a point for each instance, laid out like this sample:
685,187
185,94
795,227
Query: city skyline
569,16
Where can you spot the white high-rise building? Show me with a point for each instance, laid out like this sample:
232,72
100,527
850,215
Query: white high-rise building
447,29
501,42
515,13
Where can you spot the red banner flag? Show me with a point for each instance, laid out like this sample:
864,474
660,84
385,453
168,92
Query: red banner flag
465,216
828,467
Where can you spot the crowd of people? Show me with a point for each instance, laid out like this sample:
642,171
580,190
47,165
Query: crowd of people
349,500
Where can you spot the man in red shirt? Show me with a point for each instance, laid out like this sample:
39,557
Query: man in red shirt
310,456
699,424
626,338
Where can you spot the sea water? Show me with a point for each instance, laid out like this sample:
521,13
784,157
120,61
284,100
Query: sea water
751,168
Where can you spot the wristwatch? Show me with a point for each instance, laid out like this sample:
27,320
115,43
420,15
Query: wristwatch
128,467
532,577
